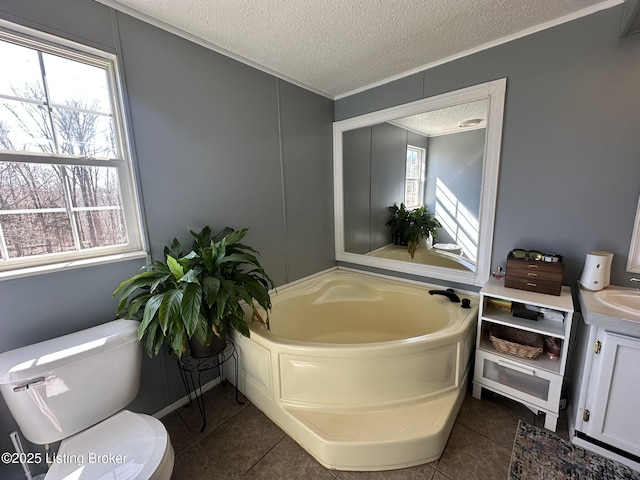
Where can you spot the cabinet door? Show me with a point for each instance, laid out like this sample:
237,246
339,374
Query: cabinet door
613,399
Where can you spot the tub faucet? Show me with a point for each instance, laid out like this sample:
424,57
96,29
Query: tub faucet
449,293
636,281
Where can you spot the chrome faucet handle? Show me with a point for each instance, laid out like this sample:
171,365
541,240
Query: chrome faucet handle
636,281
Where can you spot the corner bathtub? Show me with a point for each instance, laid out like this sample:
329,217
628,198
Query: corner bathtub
365,372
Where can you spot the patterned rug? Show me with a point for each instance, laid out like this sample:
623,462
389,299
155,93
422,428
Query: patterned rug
539,455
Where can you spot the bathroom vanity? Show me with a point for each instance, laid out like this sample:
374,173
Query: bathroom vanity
534,382
603,411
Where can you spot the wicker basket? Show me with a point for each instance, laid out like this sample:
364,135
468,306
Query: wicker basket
513,341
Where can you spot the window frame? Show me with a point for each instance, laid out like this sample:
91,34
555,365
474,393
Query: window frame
136,246
422,167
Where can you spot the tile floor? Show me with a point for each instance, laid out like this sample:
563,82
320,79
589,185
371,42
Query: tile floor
240,442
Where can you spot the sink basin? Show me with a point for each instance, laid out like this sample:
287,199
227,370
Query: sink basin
625,300
616,309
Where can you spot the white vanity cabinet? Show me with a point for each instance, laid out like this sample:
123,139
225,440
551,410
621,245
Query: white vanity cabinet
536,383
604,411
611,412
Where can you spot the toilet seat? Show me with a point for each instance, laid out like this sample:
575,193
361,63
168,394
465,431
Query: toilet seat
125,446
453,248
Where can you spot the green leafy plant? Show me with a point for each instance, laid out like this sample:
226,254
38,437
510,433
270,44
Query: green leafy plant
408,227
196,295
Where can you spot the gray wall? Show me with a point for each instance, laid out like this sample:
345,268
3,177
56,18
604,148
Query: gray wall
374,164
216,143
569,176
417,140
456,160
356,148
388,165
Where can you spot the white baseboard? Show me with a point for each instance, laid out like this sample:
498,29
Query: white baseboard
184,400
605,453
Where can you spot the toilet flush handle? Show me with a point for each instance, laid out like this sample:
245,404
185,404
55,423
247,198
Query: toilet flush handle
36,382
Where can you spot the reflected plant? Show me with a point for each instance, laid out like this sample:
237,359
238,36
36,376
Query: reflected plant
408,227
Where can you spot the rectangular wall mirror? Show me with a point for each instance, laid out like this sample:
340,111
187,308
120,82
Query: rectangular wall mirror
442,153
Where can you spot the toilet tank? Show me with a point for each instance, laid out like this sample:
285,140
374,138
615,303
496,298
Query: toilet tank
59,387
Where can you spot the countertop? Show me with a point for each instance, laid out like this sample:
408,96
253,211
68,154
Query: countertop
600,314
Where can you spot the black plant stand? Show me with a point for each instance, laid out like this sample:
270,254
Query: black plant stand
191,369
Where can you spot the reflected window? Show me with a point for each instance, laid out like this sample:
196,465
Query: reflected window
414,177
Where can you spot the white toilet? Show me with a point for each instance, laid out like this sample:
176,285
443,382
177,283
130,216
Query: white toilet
74,388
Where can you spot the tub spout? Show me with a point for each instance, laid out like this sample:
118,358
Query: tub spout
449,293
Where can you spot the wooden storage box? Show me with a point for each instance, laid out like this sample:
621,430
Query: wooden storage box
534,275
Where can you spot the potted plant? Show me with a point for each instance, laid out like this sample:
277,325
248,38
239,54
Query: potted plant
409,227
197,295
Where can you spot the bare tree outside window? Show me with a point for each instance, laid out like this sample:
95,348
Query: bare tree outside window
60,162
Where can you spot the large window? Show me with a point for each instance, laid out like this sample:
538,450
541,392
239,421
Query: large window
66,189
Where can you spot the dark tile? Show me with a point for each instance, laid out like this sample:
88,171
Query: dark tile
179,434
494,417
471,456
240,442
420,472
220,405
440,476
195,464
288,461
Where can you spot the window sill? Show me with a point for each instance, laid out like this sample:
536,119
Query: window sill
70,265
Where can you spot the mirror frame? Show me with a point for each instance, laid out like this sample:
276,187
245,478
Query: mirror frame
633,263
494,92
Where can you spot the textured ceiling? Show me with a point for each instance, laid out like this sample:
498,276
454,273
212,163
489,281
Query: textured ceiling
446,120
337,47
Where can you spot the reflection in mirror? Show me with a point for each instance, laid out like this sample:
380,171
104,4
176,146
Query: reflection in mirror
428,160
440,153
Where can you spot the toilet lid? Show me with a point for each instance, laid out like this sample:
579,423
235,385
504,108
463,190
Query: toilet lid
125,446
